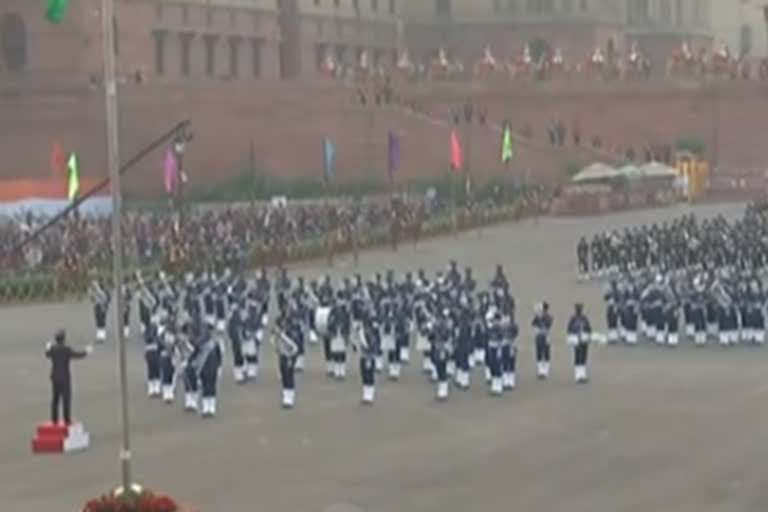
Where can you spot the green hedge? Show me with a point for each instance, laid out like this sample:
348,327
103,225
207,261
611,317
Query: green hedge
48,286
262,187
693,145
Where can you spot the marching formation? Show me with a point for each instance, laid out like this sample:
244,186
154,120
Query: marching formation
682,244
447,320
684,280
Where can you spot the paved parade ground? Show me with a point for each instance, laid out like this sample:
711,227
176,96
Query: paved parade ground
656,429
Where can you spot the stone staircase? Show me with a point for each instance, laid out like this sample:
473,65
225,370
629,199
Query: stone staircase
286,123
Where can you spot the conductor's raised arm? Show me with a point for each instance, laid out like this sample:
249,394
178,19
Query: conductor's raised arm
78,354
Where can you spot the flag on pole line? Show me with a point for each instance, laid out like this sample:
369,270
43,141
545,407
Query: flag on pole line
58,160
456,154
329,152
393,153
56,10
507,153
170,171
73,187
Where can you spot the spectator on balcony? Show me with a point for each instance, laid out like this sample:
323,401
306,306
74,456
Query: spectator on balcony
648,154
552,132
560,132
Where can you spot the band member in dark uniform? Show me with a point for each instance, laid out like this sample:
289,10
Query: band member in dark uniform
579,334
100,298
366,338
286,330
60,355
542,323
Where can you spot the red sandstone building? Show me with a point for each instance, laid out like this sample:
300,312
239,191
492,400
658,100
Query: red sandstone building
463,28
197,39
220,64
178,40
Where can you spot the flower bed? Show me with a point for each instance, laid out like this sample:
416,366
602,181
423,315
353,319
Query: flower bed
137,501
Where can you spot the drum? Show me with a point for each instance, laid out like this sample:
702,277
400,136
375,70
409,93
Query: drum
321,320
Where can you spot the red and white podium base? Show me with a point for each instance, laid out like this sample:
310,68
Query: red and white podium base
60,438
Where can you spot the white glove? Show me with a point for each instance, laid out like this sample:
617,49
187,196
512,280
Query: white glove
48,346
88,349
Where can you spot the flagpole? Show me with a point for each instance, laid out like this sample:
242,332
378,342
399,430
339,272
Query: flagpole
113,161
252,172
454,220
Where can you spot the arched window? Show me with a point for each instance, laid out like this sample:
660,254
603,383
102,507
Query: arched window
13,42
745,40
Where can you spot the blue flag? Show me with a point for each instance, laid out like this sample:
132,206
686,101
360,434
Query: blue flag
329,152
393,152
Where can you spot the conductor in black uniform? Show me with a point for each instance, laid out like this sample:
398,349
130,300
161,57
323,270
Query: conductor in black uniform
60,355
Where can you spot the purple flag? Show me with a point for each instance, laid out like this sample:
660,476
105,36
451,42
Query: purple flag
170,171
393,153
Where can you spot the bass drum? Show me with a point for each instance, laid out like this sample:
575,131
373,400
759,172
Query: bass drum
321,320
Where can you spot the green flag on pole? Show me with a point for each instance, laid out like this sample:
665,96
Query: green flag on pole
506,144
56,11
74,177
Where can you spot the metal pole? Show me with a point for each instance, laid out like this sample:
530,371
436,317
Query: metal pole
178,151
715,124
110,93
371,133
252,172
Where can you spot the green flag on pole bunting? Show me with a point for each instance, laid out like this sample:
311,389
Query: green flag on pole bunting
56,11
506,145
74,177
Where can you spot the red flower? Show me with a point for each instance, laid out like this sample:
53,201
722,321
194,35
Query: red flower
164,504
146,502
104,504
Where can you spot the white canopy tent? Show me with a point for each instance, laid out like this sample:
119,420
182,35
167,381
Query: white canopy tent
658,170
598,171
631,171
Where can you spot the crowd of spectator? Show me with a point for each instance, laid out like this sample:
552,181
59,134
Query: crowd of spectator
205,234
230,234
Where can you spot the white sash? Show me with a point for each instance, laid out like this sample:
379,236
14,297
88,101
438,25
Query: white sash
422,342
249,348
338,345
387,342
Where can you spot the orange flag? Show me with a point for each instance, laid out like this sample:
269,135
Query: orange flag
457,162
58,160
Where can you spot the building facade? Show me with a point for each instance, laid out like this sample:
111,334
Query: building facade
349,31
181,40
463,28
741,24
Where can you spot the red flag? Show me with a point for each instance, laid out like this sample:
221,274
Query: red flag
457,162
58,160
